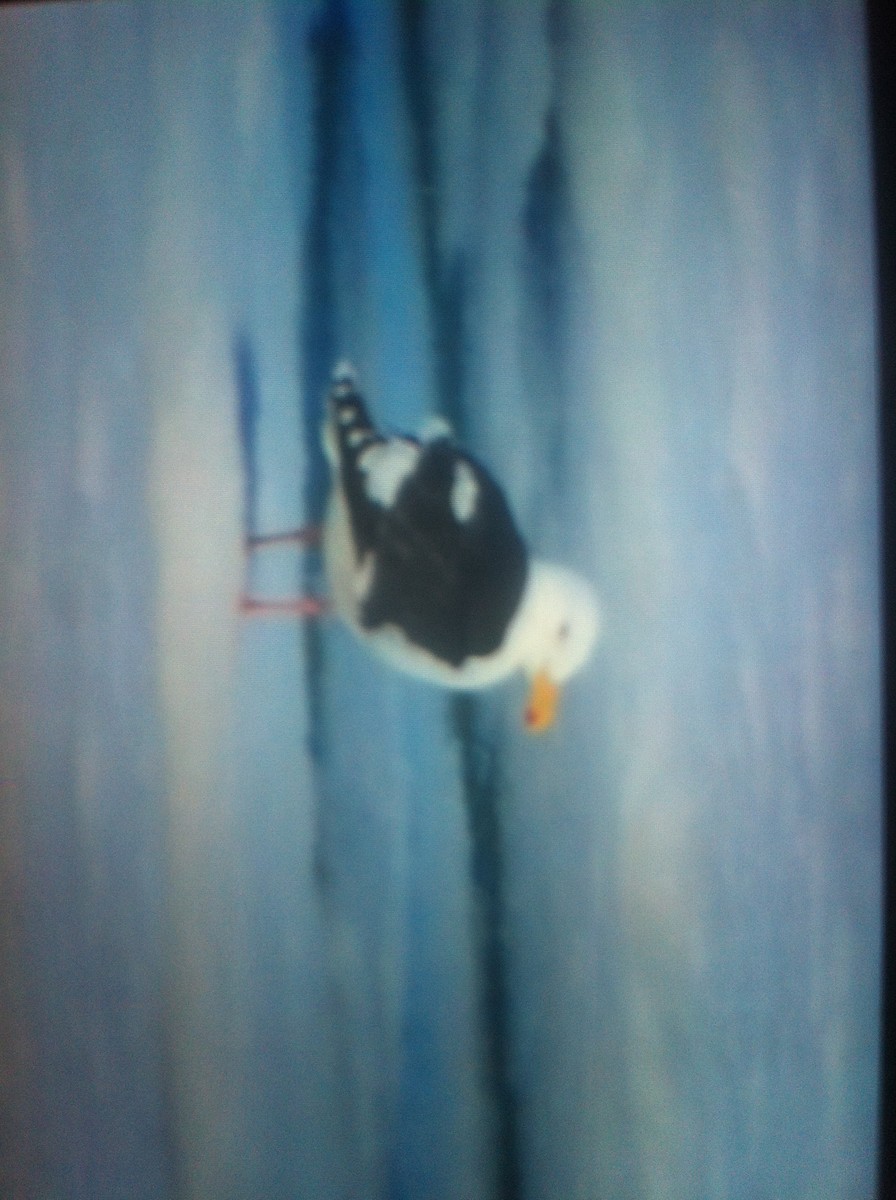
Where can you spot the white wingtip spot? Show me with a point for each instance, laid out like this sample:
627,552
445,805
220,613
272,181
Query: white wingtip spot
344,377
464,491
344,370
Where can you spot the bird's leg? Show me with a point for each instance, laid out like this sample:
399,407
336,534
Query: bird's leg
299,606
307,535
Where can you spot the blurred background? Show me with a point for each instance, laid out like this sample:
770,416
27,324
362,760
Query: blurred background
276,922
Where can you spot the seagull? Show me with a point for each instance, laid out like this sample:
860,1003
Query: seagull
425,564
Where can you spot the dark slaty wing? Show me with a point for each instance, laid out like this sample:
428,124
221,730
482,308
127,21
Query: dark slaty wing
451,585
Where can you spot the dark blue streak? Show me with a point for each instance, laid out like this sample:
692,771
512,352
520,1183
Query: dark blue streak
446,284
246,372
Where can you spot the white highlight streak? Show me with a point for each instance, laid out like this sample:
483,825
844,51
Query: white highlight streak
464,492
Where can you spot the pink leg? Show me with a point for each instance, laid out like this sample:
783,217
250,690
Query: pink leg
308,535
299,606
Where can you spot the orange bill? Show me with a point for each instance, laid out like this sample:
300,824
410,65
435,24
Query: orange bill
541,707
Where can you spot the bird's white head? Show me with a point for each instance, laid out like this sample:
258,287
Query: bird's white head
560,626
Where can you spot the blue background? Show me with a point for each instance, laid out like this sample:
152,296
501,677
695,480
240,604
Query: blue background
276,922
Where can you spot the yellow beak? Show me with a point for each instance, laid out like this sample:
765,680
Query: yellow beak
541,707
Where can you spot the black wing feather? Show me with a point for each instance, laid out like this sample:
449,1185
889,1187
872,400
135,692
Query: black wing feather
452,586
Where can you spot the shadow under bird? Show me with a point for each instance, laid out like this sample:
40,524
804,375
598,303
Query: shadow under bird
426,565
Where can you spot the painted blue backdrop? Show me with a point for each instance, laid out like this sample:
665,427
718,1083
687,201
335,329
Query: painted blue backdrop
277,923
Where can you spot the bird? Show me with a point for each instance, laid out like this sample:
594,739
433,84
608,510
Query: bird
426,565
